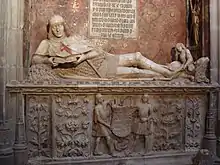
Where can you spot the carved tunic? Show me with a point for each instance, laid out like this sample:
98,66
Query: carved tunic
144,124
101,115
106,64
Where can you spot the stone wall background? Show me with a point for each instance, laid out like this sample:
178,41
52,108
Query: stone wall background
161,23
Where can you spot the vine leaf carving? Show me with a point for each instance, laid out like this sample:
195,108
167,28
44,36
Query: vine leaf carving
169,125
38,121
193,123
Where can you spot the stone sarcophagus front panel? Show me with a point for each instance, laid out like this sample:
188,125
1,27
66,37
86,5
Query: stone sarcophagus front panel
59,126
102,125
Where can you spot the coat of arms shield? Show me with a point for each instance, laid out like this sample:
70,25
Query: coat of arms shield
122,120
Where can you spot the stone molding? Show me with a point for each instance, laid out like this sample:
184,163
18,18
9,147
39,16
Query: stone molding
11,41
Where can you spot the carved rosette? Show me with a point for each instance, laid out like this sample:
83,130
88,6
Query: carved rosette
38,120
195,105
72,125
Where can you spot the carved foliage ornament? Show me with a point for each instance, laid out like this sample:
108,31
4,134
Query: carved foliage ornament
72,125
123,125
194,122
169,129
38,118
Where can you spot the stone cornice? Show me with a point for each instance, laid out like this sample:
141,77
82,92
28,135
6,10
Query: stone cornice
112,87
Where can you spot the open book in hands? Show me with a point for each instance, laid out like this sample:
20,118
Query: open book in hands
69,59
70,53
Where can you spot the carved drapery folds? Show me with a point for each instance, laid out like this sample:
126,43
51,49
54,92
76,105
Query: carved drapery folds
194,27
195,21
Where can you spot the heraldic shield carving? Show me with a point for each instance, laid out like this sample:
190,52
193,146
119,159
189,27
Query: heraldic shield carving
128,126
121,124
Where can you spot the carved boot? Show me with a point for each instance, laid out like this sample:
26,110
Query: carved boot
96,151
147,144
110,147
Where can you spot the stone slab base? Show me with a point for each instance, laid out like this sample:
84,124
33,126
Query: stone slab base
159,159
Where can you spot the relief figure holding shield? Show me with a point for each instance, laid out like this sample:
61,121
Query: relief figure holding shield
102,118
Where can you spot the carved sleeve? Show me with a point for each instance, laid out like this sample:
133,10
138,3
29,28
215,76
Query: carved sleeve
43,48
189,57
176,56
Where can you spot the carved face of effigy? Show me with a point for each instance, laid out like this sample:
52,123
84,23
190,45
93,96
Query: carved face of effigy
179,47
58,30
57,26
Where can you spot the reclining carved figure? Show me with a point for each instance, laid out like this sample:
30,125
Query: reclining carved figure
81,58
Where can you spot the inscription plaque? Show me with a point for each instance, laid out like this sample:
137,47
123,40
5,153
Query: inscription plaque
113,19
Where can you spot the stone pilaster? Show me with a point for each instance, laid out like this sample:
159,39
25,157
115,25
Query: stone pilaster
14,71
215,62
20,144
210,124
11,54
6,152
14,47
214,40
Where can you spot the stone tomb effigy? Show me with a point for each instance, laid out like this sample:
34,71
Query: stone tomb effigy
83,105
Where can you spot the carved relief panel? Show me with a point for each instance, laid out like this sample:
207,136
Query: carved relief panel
131,125
39,126
195,116
170,115
72,122
75,125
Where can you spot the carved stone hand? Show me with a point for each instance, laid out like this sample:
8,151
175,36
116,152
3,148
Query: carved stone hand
144,119
80,58
51,60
